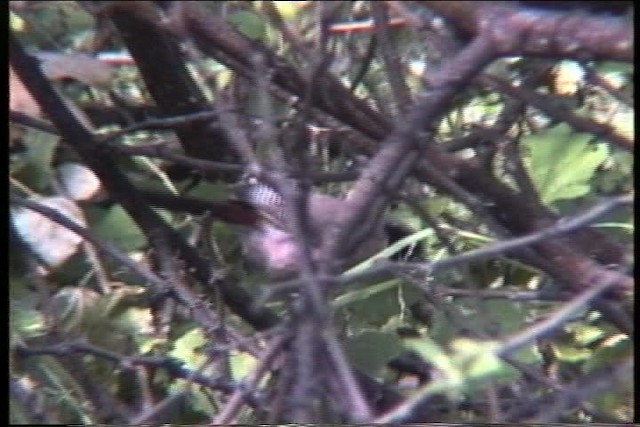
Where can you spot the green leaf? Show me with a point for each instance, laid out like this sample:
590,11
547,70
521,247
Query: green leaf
374,306
117,227
363,293
606,67
16,23
392,249
73,308
26,322
616,174
501,317
211,191
370,351
36,167
58,387
188,349
248,23
562,162
197,399
433,353
476,359
288,9
612,351
241,365
572,354
585,334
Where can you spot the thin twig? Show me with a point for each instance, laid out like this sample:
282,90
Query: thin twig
562,227
556,320
241,394
547,105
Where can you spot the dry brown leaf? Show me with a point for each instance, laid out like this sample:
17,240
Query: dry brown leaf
20,99
50,240
82,68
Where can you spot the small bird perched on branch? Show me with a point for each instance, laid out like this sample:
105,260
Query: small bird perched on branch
269,243
265,228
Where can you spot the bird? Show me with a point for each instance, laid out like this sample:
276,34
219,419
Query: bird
270,243
259,213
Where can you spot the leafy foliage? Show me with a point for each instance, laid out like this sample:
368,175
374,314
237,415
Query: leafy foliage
563,163
523,145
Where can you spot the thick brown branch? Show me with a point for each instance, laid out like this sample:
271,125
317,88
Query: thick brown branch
518,30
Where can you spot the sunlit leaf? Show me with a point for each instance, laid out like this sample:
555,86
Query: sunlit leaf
241,365
79,182
248,23
53,243
562,162
188,348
